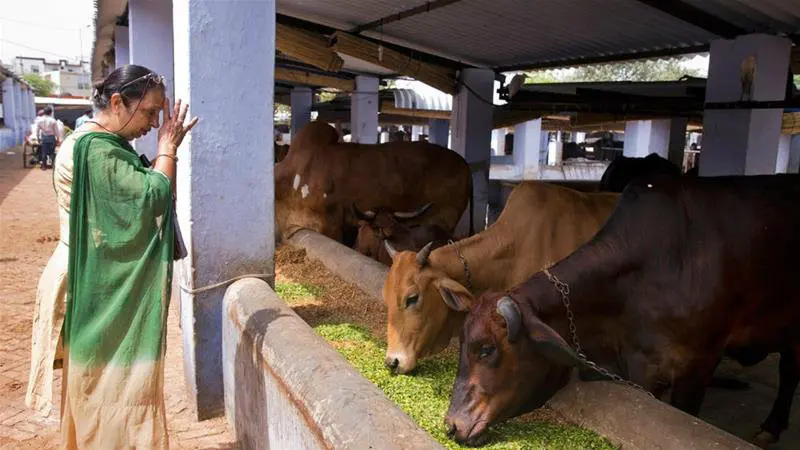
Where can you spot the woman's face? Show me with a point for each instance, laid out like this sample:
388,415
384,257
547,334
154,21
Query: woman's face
145,113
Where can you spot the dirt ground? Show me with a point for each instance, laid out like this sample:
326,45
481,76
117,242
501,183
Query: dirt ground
28,235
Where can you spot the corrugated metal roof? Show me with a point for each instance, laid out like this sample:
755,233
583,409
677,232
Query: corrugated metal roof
411,99
343,14
507,32
755,15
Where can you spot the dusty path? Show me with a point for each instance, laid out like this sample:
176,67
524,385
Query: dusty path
28,235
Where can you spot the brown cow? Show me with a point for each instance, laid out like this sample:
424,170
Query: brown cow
685,270
540,223
320,178
381,226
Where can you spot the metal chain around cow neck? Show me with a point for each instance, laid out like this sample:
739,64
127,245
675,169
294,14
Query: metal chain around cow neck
464,262
563,289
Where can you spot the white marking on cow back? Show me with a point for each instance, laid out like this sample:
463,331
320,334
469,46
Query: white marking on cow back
324,195
304,191
296,182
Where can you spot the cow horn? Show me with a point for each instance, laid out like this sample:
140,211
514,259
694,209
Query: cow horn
363,215
508,309
390,249
422,255
412,214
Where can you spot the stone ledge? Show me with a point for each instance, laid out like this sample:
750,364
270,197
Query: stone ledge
626,416
285,387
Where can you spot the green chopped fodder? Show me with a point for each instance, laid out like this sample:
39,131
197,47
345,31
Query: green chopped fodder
292,292
425,396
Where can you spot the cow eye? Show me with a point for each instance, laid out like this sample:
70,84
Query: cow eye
412,300
485,351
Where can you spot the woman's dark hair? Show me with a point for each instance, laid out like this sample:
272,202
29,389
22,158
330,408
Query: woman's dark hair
130,81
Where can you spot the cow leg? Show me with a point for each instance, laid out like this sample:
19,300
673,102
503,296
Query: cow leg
778,419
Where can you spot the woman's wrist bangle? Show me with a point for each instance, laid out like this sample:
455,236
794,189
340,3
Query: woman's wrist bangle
173,157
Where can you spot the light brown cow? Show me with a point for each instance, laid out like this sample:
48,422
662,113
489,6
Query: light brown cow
425,293
320,179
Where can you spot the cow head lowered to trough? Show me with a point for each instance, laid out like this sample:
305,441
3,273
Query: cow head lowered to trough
425,308
381,225
510,363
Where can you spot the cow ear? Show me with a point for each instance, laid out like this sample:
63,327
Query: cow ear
455,296
549,343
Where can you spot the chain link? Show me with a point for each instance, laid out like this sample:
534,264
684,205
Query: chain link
464,262
563,289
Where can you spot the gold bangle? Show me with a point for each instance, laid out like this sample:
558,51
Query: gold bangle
173,157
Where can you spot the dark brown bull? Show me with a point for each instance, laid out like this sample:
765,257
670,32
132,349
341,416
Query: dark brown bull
320,178
685,270
383,231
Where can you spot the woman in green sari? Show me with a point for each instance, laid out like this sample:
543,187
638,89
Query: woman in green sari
121,240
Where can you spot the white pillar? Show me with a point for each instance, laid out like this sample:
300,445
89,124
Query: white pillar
416,131
301,99
30,108
744,142
19,108
472,136
122,56
794,154
150,31
784,150
544,146
439,132
664,137
579,137
527,148
498,142
364,111
225,173
9,108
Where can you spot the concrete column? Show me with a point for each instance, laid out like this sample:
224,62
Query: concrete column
416,131
544,147
9,108
122,56
664,137
794,154
364,111
150,34
439,132
301,99
498,141
472,137
30,112
744,142
527,148
19,110
225,172
784,150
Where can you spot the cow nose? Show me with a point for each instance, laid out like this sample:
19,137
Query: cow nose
391,363
450,426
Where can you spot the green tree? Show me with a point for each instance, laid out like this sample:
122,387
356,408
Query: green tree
797,81
648,70
41,86
540,77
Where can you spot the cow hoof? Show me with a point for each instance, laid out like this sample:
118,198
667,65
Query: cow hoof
763,439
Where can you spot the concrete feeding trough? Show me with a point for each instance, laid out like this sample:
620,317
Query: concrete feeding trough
285,386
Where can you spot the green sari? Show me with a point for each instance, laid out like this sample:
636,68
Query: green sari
119,277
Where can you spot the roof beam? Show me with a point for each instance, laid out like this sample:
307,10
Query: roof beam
313,79
438,77
696,16
309,47
427,7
